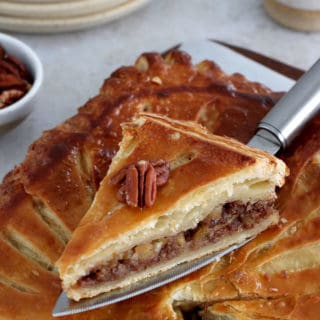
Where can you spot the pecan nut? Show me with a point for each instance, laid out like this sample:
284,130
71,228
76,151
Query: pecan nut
162,169
15,80
131,190
9,96
150,187
139,182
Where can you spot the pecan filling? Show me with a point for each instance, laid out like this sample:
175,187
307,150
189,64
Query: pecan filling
235,217
139,182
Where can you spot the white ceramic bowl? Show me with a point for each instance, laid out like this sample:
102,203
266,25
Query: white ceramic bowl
21,108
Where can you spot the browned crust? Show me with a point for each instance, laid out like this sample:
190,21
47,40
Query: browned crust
235,286
79,151
214,157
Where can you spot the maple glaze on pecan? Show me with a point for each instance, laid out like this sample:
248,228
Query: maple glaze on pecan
139,182
15,80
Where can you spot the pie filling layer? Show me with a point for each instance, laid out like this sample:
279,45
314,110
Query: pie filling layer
235,217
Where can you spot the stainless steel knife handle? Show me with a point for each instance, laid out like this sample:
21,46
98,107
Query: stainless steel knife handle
293,110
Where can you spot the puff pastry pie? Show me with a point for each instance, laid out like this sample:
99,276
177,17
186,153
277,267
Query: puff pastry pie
43,199
213,192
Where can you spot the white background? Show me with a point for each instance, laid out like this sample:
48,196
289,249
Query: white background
75,64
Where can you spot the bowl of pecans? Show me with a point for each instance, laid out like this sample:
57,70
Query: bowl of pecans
21,76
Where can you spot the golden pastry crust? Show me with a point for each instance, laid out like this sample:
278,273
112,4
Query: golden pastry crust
290,307
206,171
80,151
277,274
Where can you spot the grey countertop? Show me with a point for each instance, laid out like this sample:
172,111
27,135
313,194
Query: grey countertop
75,64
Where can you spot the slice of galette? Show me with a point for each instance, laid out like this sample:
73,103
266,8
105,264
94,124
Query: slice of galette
173,193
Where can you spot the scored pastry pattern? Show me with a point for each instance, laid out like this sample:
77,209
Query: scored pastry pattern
43,199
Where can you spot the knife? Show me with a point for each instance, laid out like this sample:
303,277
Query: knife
288,117
275,131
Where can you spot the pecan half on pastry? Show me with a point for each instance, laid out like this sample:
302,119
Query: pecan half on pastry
139,182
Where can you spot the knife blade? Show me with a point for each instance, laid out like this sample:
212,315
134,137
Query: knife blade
276,131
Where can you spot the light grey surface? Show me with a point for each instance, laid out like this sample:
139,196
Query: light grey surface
75,64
